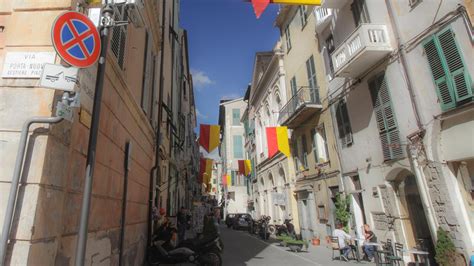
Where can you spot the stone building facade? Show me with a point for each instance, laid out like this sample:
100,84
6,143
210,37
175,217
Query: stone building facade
403,115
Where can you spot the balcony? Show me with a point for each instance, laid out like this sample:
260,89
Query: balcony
300,107
334,3
323,18
367,45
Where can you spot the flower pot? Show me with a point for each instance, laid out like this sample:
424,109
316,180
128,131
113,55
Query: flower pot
315,241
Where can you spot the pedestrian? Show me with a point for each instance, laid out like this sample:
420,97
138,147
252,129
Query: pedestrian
370,237
342,238
181,219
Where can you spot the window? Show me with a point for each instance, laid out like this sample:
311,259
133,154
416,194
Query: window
319,144
295,155
343,123
360,13
322,214
450,75
294,89
214,181
385,118
312,81
148,78
303,15
304,150
414,3
238,147
330,49
119,35
236,117
287,37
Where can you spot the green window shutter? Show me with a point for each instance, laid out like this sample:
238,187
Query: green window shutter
451,77
294,90
385,118
314,145
305,151
343,123
238,147
443,87
458,73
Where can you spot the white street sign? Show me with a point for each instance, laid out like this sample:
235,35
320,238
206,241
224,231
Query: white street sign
64,111
59,77
26,64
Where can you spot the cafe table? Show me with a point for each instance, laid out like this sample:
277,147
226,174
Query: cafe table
418,254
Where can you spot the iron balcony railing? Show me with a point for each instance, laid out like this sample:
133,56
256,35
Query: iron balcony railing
304,96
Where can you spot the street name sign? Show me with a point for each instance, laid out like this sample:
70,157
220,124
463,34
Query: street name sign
26,64
59,77
76,39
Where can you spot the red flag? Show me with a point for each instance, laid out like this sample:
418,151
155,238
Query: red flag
241,167
209,137
259,6
277,140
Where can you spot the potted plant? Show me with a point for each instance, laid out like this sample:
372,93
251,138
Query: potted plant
283,238
316,241
296,245
446,251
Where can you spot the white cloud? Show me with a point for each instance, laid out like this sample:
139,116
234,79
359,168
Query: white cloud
230,96
201,115
200,79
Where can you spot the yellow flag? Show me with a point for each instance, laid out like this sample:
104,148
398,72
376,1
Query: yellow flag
298,2
282,138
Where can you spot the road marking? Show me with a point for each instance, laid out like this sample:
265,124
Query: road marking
292,253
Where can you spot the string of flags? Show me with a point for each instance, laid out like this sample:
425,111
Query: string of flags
209,139
260,5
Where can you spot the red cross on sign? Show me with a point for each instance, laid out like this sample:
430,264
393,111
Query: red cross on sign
76,39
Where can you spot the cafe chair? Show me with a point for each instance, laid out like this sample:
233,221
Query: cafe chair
382,256
336,248
397,256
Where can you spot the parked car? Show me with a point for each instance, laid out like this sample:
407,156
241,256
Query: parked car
242,221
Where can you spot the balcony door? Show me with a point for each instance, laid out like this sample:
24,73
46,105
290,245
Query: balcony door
360,12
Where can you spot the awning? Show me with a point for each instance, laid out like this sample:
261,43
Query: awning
304,189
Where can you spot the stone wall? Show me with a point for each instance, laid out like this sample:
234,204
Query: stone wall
46,219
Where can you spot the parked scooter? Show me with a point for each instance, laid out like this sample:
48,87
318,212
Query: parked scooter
287,228
203,251
263,227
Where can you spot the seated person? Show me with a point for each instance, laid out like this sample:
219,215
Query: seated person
370,237
342,237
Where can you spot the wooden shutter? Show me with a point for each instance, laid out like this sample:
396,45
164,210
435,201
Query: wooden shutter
343,123
385,118
451,77
314,145
457,71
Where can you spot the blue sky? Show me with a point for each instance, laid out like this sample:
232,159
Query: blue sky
223,38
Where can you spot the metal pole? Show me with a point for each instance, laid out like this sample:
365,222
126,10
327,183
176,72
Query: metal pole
128,150
7,222
107,15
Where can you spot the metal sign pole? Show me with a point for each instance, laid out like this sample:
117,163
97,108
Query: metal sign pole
107,15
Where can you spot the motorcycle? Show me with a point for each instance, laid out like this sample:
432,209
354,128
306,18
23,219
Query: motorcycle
287,228
200,251
264,229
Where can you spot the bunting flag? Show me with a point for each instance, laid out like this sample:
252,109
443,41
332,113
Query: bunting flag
209,136
224,180
205,170
245,167
277,139
260,5
229,180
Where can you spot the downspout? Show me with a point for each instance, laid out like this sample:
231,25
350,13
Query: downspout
7,222
126,166
158,132
420,177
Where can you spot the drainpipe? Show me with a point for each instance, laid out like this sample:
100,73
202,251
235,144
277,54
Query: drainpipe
420,177
126,165
7,222
158,132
